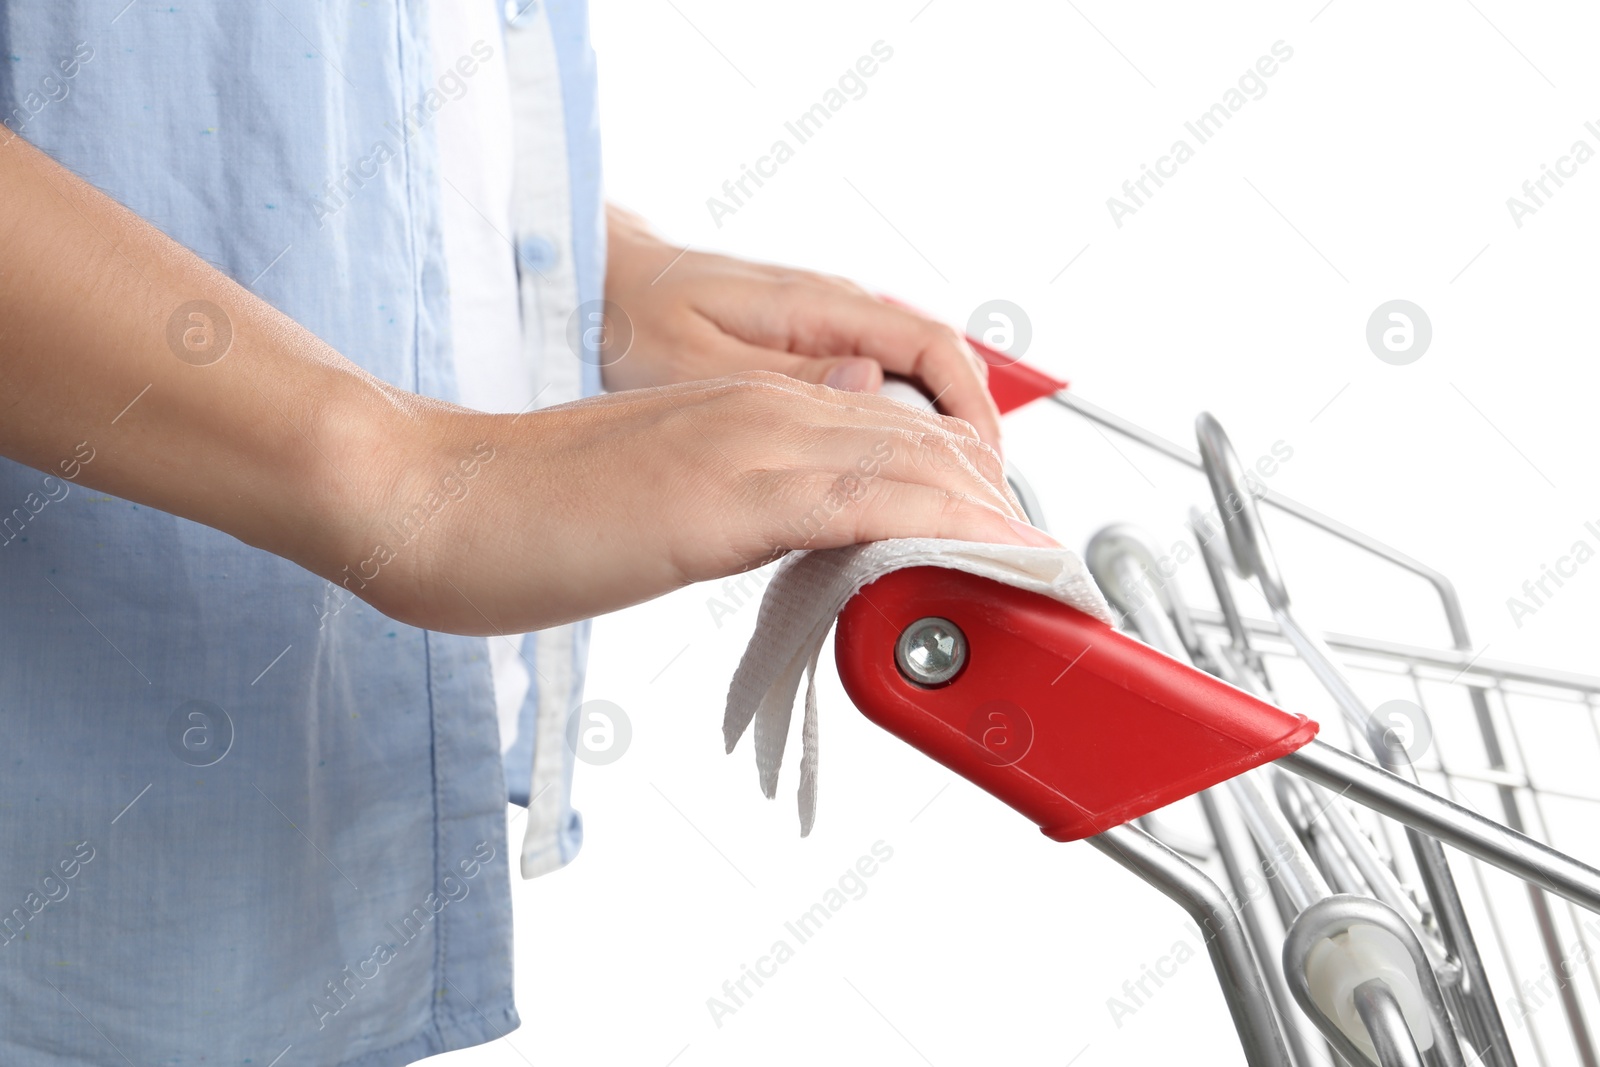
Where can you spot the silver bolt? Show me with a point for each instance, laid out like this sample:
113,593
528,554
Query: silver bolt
931,651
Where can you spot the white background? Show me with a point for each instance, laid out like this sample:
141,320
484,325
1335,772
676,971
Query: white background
977,166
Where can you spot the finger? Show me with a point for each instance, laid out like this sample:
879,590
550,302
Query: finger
947,461
831,323
851,374
857,434
912,452
869,404
889,509
978,361
927,444
853,408
862,378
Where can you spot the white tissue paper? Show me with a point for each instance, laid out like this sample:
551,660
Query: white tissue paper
809,591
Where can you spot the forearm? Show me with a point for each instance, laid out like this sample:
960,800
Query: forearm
438,516
103,342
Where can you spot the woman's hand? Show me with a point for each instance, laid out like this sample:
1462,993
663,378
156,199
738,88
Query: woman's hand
584,508
439,516
697,315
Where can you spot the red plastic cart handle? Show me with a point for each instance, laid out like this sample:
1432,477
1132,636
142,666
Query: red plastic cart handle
1074,724
1011,383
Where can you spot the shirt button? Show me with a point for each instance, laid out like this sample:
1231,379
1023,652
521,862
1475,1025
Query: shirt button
519,11
536,253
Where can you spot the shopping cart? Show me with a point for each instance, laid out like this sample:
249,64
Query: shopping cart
1346,933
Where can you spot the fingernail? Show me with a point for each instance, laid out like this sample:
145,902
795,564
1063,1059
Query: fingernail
853,376
1032,535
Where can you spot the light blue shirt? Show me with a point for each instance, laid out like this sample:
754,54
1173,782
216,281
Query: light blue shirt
244,818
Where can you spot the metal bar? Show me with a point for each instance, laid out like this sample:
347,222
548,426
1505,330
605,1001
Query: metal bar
1431,814
1471,995
1242,985
1457,662
1447,592
1229,850
1336,916
1250,660
1386,1025
1379,878
1254,559
1506,955
1273,835
1539,902
1481,1017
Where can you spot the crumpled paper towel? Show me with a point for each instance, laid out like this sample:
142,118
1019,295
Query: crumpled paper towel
809,591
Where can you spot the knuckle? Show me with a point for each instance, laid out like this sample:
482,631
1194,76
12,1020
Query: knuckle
944,333
964,511
978,362
796,278
835,283
757,377
936,449
788,284
986,460
956,504
959,426
761,387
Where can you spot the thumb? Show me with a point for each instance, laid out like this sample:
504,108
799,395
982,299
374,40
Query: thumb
853,374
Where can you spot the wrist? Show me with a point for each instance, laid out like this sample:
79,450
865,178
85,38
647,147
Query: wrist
339,472
413,518
635,254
